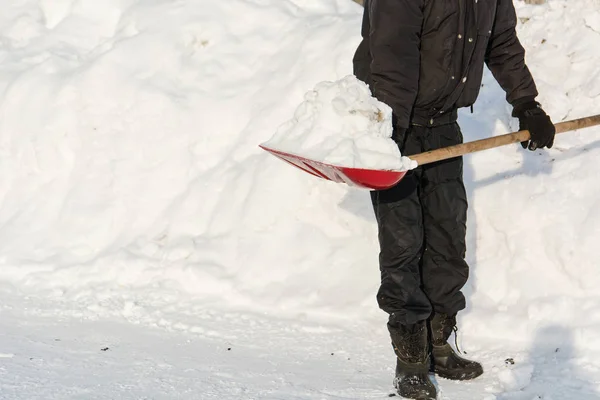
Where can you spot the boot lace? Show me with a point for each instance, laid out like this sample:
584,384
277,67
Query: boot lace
447,326
455,329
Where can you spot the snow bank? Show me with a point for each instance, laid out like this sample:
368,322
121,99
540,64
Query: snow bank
131,182
340,123
130,171
534,217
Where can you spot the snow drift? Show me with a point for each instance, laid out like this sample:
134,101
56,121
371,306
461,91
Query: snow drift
130,160
130,173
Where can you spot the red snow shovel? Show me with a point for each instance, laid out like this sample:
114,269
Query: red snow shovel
383,179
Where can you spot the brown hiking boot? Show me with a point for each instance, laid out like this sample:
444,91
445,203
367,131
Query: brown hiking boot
445,362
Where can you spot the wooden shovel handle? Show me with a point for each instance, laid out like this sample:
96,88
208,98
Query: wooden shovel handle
497,141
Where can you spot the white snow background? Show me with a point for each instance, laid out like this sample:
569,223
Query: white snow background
150,250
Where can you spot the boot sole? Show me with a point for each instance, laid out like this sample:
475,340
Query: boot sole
424,397
453,376
416,396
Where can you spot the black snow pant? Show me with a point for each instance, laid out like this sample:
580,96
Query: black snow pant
422,229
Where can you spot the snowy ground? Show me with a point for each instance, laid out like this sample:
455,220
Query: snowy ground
243,356
137,212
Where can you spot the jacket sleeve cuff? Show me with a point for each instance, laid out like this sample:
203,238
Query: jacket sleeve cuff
522,100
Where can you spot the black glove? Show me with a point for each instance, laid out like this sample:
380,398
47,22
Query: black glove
534,119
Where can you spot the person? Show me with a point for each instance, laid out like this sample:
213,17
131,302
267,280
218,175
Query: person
425,59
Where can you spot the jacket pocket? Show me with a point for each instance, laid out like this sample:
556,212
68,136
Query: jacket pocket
475,75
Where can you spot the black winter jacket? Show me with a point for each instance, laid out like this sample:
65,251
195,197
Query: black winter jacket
425,58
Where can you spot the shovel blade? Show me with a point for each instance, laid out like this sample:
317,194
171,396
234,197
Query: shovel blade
373,179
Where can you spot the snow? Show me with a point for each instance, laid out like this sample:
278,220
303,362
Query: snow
516,379
340,123
57,356
137,211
